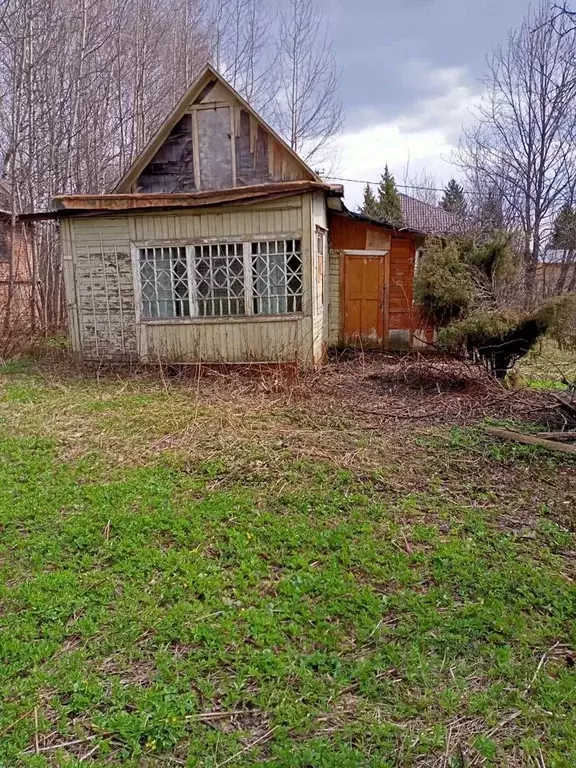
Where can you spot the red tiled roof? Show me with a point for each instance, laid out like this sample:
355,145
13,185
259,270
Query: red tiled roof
429,219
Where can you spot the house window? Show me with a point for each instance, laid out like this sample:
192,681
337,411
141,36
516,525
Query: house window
5,244
221,279
320,240
276,277
320,255
164,282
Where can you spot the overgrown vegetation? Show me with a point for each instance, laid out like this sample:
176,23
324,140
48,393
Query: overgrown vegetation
238,577
466,289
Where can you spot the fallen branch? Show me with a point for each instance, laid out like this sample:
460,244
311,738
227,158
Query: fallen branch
563,437
541,663
567,402
15,722
517,437
208,716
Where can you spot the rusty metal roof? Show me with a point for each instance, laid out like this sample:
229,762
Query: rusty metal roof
70,205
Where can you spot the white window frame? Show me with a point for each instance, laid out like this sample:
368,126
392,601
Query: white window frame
194,317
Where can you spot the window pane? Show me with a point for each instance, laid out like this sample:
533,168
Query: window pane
276,277
219,277
164,282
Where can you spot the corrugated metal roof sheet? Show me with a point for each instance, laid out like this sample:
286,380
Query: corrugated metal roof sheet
70,204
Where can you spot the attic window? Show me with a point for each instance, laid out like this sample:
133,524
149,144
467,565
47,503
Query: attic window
221,279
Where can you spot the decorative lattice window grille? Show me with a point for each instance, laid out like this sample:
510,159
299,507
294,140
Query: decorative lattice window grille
221,279
276,277
164,282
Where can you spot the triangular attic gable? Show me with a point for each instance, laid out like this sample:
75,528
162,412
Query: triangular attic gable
212,140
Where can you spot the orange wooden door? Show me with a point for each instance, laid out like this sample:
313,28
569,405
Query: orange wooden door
364,296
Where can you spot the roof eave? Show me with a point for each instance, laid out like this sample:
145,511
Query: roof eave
127,203
378,222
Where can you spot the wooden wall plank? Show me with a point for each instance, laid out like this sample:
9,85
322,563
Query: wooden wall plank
215,148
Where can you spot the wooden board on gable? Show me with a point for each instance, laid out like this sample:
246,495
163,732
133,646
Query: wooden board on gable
213,140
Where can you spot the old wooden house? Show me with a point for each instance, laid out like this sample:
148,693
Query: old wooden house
219,244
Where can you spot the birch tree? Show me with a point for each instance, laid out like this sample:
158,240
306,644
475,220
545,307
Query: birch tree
84,86
241,50
308,107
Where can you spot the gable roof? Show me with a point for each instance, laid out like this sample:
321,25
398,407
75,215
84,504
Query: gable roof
429,219
205,80
5,196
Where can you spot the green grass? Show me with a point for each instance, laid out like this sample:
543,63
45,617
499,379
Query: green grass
168,557
546,367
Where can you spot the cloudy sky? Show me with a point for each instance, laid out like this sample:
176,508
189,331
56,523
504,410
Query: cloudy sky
411,72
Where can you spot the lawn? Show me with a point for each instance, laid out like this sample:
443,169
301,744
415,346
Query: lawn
268,571
547,367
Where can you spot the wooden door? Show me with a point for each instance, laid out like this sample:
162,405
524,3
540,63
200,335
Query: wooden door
364,300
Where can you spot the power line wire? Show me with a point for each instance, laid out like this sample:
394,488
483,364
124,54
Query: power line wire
376,183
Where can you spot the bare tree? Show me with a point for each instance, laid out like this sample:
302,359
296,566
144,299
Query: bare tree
522,148
85,84
420,184
241,50
308,107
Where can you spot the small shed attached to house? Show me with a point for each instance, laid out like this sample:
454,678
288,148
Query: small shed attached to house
371,282
372,266
220,244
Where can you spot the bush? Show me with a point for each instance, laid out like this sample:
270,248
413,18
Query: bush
501,337
443,286
494,259
460,285
558,314
476,331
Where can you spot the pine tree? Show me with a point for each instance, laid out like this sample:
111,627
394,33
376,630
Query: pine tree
490,212
453,199
564,229
386,206
389,205
370,206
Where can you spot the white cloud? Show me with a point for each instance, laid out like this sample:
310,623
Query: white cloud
421,138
